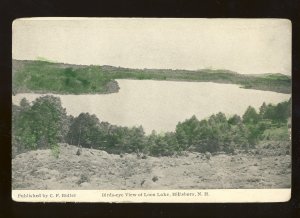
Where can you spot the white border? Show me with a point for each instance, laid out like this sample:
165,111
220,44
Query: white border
154,196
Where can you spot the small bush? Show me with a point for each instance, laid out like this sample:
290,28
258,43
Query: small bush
55,150
83,178
155,178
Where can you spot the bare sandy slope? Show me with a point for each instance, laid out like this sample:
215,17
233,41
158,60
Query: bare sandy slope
95,169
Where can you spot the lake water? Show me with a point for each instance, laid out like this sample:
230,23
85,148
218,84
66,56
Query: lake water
160,105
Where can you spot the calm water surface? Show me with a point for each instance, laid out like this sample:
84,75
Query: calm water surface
160,105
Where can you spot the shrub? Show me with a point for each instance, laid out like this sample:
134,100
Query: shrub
55,150
276,134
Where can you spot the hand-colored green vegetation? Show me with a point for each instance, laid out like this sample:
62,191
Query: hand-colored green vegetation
44,77
45,123
47,77
41,125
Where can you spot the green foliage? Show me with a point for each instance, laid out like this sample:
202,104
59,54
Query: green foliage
187,132
276,134
87,131
44,76
277,113
215,134
250,116
84,130
124,139
41,125
239,134
44,124
41,76
235,120
270,118
163,144
55,150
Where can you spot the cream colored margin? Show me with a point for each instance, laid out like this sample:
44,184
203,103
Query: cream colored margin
151,196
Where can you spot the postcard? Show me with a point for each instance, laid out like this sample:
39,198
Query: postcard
151,110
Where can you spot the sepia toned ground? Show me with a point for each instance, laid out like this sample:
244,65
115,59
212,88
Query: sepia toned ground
268,166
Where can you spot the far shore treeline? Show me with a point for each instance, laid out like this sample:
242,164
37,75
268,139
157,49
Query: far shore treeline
60,78
44,124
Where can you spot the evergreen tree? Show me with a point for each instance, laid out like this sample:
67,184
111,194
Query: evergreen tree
250,116
262,110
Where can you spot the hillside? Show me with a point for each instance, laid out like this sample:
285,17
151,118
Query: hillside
268,166
60,78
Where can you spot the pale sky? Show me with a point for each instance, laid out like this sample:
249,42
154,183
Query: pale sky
243,45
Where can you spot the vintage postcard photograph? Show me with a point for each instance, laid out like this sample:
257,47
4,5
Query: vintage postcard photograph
151,110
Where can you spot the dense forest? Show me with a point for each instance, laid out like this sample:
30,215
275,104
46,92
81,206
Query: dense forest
47,77
44,123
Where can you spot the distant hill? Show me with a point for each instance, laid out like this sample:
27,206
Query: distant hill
44,77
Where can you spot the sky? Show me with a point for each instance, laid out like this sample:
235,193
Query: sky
247,46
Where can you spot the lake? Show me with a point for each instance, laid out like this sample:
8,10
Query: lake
160,105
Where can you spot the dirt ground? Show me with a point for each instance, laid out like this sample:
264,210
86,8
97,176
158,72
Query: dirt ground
264,167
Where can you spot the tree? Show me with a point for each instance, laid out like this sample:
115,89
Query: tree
137,139
234,120
250,116
42,125
218,134
150,142
17,147
282,112
278,113
262,110
239,134
163,144
124,139
214,134
85,131
187,132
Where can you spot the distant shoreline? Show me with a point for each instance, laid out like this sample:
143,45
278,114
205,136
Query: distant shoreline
59,78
